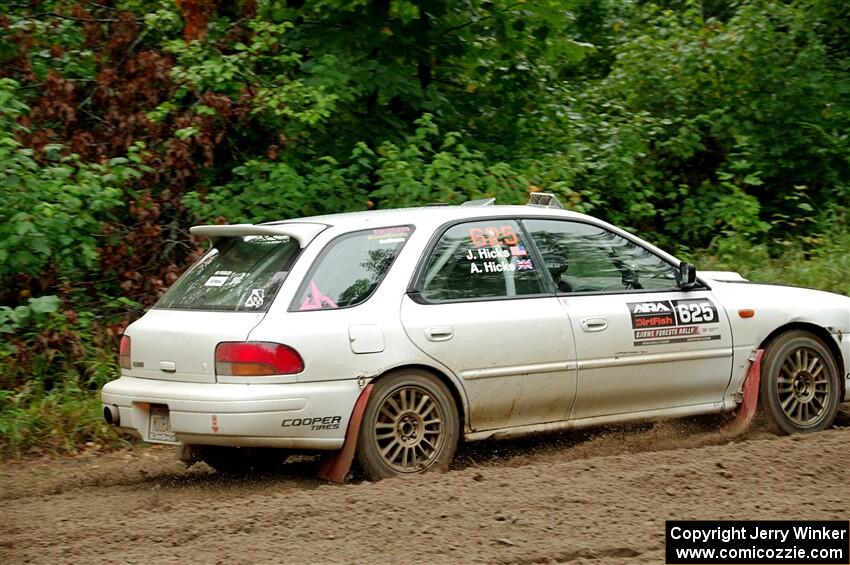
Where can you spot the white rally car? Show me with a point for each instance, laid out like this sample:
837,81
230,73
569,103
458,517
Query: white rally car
392,335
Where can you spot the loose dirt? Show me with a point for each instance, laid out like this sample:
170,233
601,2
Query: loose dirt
598,497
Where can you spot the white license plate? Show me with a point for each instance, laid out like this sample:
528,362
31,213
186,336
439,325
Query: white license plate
159,424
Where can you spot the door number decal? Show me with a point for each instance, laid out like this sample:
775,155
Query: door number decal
660,322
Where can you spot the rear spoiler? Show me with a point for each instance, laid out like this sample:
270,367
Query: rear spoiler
303,232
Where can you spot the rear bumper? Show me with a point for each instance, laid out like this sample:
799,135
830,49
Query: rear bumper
297,415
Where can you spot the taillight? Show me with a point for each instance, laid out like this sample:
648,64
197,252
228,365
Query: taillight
256,359
124,352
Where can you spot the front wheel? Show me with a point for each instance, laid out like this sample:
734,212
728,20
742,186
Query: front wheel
410,426
800,384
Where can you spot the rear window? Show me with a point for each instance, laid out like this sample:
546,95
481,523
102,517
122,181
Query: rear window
238,274
350,268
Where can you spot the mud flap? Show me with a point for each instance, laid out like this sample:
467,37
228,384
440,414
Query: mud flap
335,465
750,396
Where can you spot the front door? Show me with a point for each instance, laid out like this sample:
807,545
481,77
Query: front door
481,308
642,343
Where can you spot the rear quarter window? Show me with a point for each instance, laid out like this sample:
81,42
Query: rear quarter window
350,268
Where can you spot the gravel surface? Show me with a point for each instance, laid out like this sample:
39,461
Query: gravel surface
600,497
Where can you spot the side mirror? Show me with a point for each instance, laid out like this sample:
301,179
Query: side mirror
686,276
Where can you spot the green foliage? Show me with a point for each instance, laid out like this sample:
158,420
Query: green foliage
62,421
263,190
425,168
51,364
12,319
696,110
824,267
430,168
53,209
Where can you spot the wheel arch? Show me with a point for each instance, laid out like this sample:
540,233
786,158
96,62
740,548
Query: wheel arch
819,331
454,388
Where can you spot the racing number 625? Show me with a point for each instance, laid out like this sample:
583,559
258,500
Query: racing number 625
493,236
695,313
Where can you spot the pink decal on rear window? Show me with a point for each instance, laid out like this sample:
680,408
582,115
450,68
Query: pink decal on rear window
316,300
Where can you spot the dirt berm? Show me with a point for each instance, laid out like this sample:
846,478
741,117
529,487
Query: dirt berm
598,497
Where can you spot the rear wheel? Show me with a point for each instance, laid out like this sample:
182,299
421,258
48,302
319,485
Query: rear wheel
800,384
242,459
410,426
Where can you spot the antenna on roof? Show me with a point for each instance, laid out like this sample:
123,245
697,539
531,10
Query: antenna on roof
544,200
482,202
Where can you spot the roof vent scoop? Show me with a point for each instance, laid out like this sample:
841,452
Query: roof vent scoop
482,202
544,200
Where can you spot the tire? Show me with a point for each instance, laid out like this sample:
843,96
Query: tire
410,426
236,460
800,384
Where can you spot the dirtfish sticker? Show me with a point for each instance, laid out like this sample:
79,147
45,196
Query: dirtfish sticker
659,322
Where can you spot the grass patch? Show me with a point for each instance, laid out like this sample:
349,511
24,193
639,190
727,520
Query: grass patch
56,422
824,267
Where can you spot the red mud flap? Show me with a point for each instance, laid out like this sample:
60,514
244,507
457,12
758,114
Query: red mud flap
335,465
749,401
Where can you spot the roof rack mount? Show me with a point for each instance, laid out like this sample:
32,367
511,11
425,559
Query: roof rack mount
544,200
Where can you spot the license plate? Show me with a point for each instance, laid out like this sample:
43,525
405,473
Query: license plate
159,424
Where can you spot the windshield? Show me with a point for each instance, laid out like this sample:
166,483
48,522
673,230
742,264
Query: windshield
238,274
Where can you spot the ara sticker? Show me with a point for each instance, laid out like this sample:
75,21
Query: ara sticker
660,322
216,280
256,298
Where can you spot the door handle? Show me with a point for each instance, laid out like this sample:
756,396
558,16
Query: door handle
442,333
594,324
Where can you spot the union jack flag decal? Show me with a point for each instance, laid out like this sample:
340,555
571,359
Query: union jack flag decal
524,265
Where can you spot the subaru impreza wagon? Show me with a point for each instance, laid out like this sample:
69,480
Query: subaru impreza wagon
398,333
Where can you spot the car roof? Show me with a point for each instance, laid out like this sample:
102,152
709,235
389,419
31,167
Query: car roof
434,215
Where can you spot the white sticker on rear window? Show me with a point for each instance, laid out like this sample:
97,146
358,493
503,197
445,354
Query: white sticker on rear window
256,299
397,234
216,280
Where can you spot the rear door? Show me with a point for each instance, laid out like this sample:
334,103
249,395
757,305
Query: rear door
643,344
481,306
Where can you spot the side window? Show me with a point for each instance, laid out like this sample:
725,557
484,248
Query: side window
585,258
350,268
482,259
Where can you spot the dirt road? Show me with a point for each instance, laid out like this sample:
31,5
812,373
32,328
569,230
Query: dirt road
597,497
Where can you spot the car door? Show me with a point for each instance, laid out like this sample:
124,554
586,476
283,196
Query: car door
642,343
481,306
